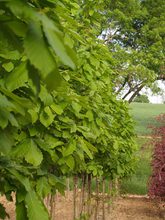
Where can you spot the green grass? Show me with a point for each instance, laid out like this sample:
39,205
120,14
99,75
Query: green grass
137,184
144,114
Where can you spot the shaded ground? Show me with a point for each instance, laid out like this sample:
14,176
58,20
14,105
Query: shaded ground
128,208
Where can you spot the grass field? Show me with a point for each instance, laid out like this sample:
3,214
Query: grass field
137,183
143,114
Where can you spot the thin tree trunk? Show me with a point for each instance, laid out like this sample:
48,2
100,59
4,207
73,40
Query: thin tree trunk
97,198
116,186
68,187
83,193
75,178
89,196
109,195
52,207
103,198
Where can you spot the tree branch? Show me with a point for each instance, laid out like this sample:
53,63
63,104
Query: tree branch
122,86
136,92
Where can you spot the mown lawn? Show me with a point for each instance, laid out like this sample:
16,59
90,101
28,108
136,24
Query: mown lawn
137,184
144,116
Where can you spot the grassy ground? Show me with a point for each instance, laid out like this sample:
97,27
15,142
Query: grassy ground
143,114
137,184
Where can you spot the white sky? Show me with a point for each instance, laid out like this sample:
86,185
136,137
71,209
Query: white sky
156,98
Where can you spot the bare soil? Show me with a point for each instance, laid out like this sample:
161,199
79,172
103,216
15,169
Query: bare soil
123,208
137,208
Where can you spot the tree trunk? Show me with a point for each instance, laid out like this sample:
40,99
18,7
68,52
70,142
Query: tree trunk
75,179
89,196
83,194
103,199
135,93
109,195
97,198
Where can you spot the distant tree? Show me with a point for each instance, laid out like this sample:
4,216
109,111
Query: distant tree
142,99
134,32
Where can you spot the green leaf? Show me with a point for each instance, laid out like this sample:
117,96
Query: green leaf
19,102
13,120
10,55
34,114
46,116
29,150
46,147
76,107
17,78
18,27
70,162
57,108
90,146
89,115
69,149
21,212
43,188
3,213
54,80
4,115
35,208
22,10
54,39
34,155
6,142
85,148
57,183
5,103
52,141
38,51
22,179
8,66
45,96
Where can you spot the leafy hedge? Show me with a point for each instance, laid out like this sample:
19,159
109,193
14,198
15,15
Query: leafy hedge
58,113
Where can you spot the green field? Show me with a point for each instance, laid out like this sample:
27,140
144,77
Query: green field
137,183
144,114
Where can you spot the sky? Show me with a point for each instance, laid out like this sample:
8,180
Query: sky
158,99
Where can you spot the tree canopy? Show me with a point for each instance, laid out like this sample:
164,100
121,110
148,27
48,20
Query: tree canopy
141,99
59,115
135,35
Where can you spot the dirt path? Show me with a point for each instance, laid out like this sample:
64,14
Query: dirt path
136,208
128,208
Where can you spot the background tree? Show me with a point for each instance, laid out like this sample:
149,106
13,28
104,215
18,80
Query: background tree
134,32
141,99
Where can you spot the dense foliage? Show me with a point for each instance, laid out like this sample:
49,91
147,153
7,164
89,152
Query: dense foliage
142,99
157,179
135,35
58,112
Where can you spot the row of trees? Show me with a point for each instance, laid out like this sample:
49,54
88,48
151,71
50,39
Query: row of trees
59,115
